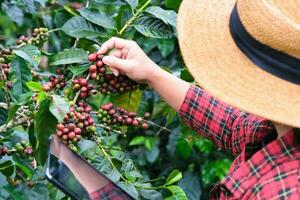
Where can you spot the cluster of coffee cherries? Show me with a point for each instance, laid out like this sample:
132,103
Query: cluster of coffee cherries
114,117
77,123
22,40
39,35
36,76
108,82
23,147
58,81
5,67
86,89
5,53
55,82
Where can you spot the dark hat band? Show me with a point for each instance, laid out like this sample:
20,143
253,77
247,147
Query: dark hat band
271,60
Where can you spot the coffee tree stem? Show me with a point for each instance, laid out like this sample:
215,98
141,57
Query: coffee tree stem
154,124
12,123
134,17
108,128
106,155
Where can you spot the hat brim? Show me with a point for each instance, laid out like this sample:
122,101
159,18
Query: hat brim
218,65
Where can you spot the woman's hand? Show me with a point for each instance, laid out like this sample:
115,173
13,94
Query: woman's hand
128,58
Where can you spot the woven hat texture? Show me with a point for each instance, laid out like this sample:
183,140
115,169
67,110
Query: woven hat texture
220,67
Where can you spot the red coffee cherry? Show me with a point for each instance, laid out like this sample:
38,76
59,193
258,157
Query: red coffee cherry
92,57
46,87
145,126
92,68
60,126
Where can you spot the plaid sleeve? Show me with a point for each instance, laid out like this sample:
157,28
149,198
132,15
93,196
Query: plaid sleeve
228,127
109,192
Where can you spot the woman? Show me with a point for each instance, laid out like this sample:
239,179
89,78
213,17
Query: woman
247,54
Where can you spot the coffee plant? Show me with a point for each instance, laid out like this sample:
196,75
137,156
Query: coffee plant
53,81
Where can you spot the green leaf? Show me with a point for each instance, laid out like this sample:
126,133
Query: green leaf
32,5
149,194
45,125
114,175
175,176
129,100
31,136
152,154
34,86
166,46
129,188
25,169
78,27
204,145
14,12
110,2
161,108
191,185
167,16
41,97
133,3
173,4
177,193
153,27
183,148
69,56
85,145
133,175
127,165
185,75
21,75
30,53
7,166
12,111
101,164
149,143
3,112
97,17
78,69
138,140
59,107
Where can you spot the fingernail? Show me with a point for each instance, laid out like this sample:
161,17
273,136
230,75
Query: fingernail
115,72
107,59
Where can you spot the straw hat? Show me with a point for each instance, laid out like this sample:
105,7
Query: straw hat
246,53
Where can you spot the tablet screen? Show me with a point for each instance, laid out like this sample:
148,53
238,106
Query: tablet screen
77,178
63,176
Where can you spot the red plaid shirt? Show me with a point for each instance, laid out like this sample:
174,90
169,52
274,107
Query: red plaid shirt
109,192
264,168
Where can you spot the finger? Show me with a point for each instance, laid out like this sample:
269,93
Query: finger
117,63
116,52
114,71
113,43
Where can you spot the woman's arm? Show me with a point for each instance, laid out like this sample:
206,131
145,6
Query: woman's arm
229,127
89,178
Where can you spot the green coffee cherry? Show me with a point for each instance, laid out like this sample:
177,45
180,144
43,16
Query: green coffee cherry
91,129
19,147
